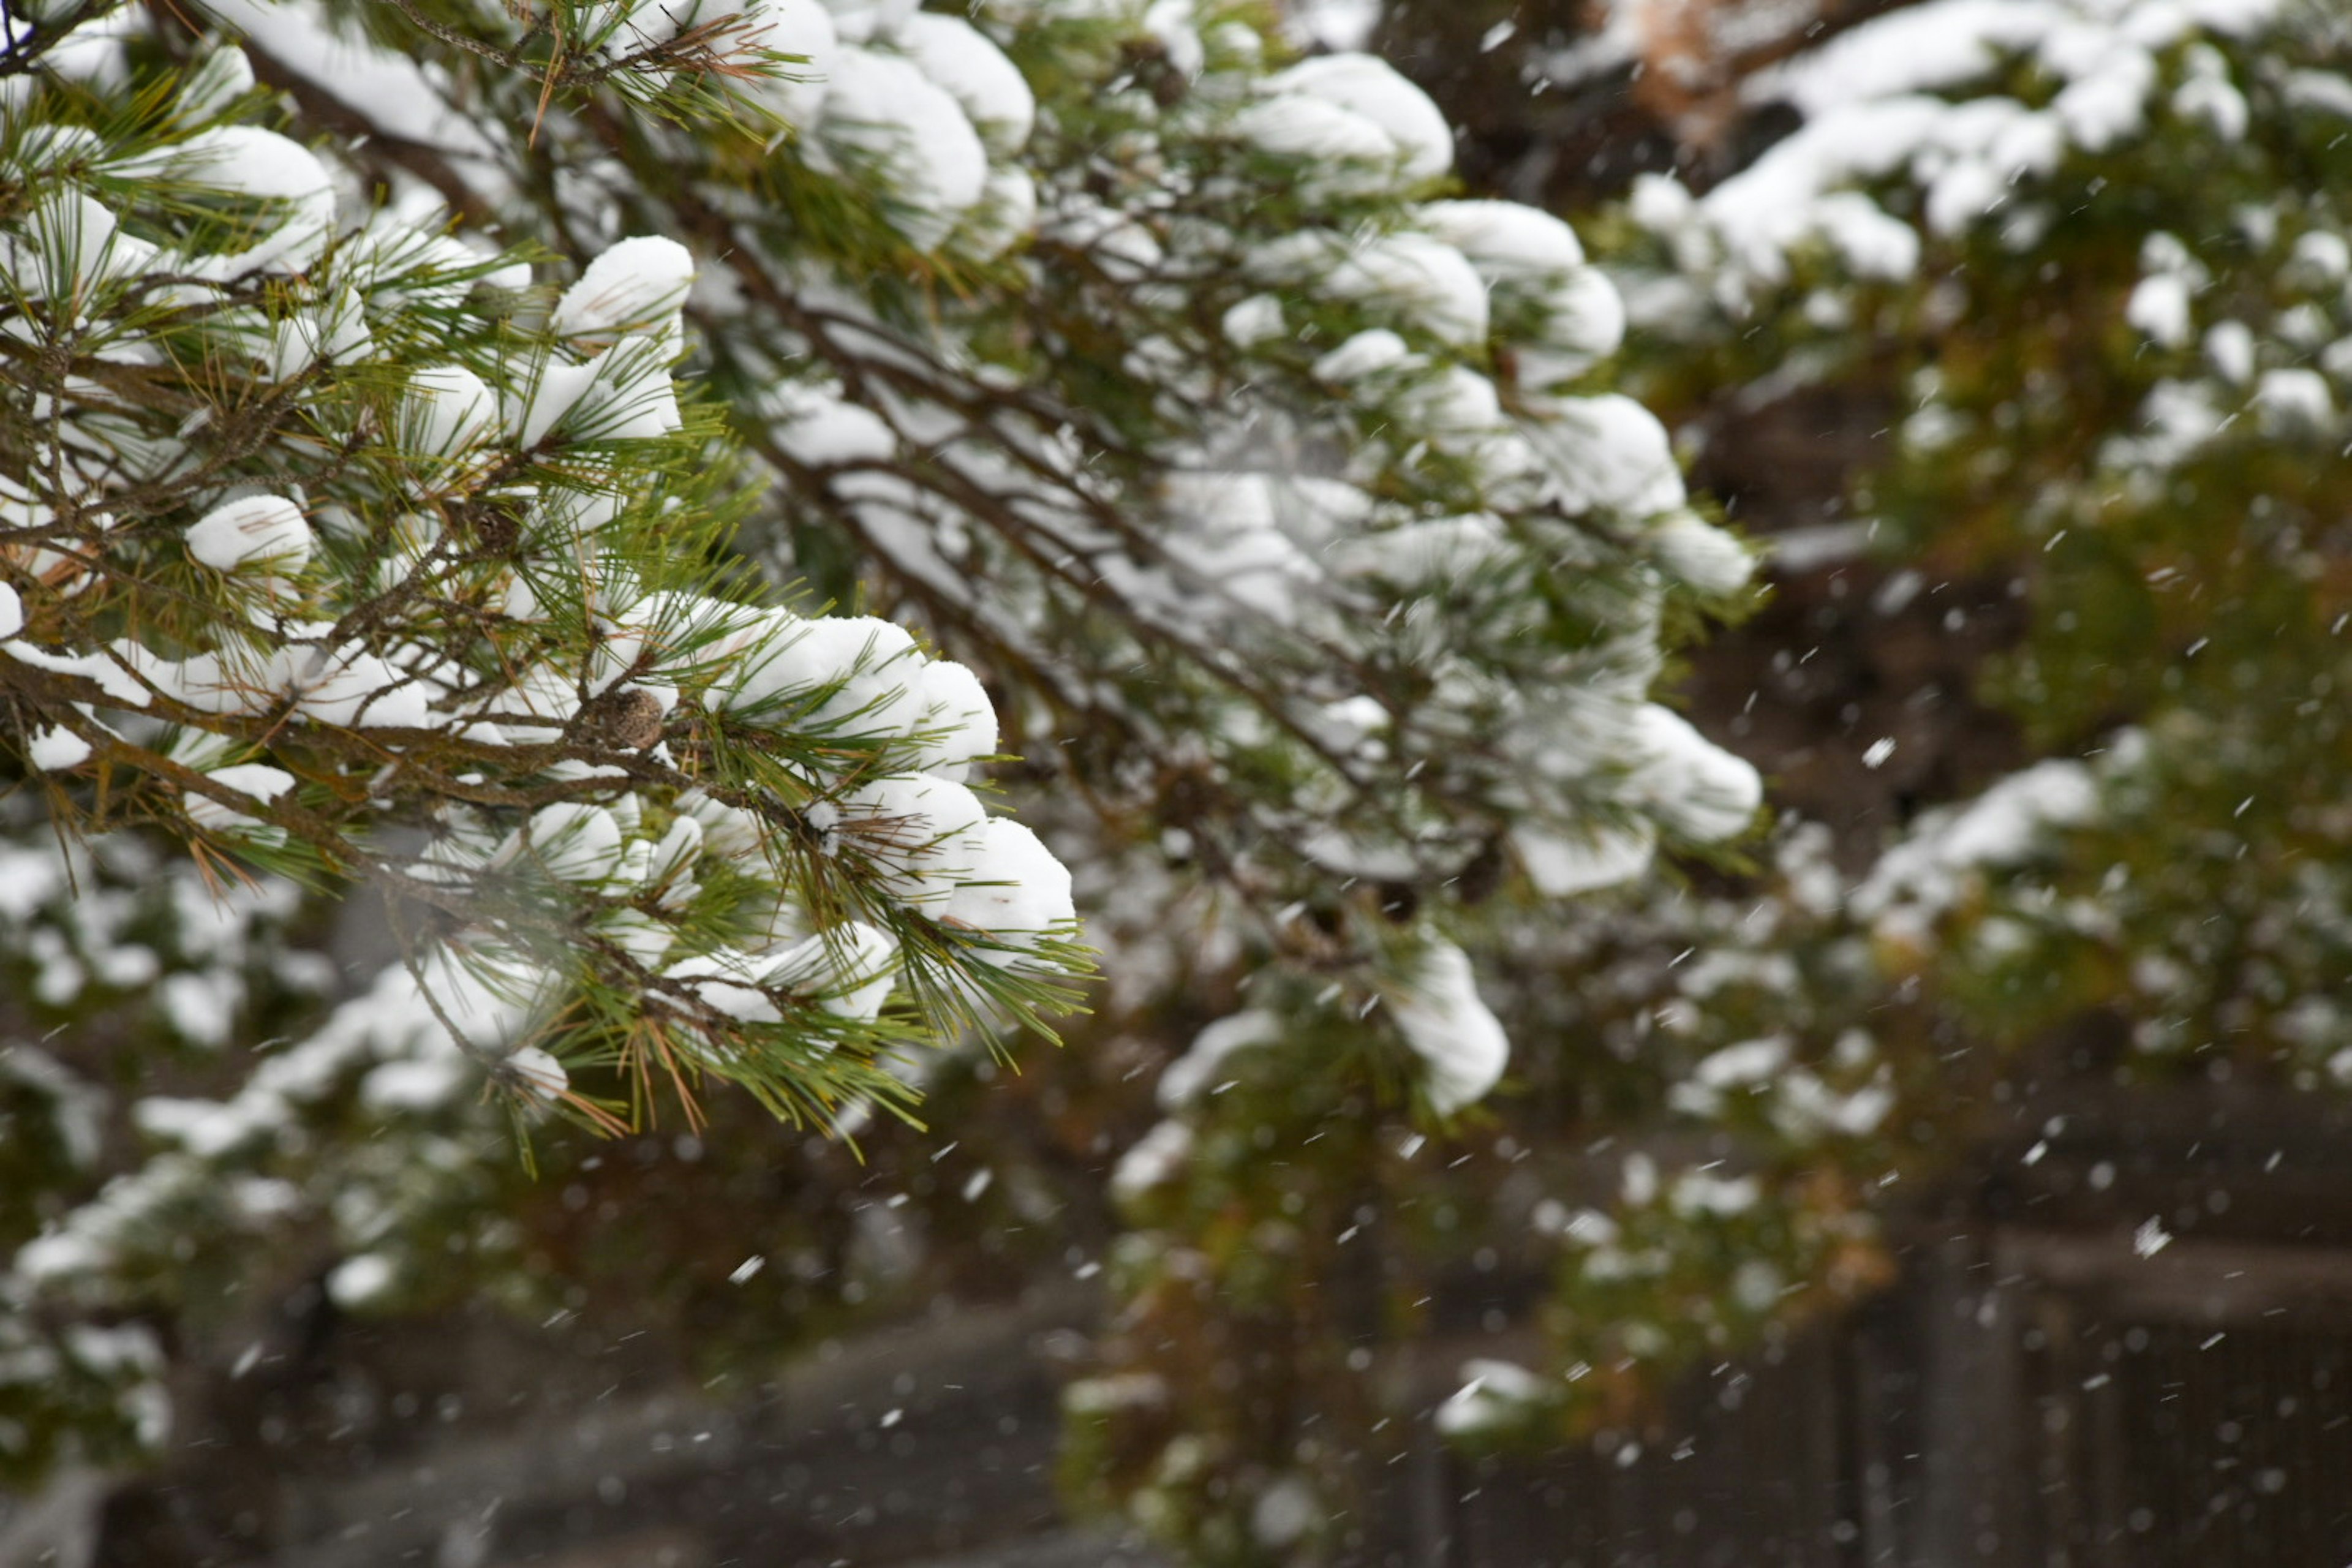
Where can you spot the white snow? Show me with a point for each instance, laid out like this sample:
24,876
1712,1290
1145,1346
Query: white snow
335,332
1927,873
1562,866
572,840
2230,349
920,833
1006,216
1016,892
885,119
1803,1107
1412,128
850,968
2159,308
1692,786
350,686
357,1282
1912,49
1427,282
72,246
1423,554
1310,129
206,1128
267,528
258,780
2321,89
637,284
957,56
730,983
397,95
447,411
955,721
864,664
2210,95
1331,24
1362,356
79,1107
419,1085
1743,1066
535,1073
246,161
1254,321
675,855
862,21
1457,410
1699,554
56,749
1495,1392
1191,1075
1461,1043
546,395
1870,100
389,1024
803,28
1608,454
2321,257
1874,243
1583,321
824,431
2294,398
1505,241
1285,1511
111,676
1707,1192
631,397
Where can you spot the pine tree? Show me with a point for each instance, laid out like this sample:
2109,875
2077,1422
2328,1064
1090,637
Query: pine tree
1178,436
342,554
2086,265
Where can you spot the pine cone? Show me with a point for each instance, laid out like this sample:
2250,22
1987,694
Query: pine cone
628,716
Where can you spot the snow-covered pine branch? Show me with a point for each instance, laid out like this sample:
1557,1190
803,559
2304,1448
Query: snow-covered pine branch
344,552
1168,372
1286,503
1277,507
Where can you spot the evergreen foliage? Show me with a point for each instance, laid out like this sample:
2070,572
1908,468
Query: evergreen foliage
2086,263
1179,436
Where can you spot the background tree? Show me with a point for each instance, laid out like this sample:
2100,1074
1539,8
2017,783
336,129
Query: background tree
2021,333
